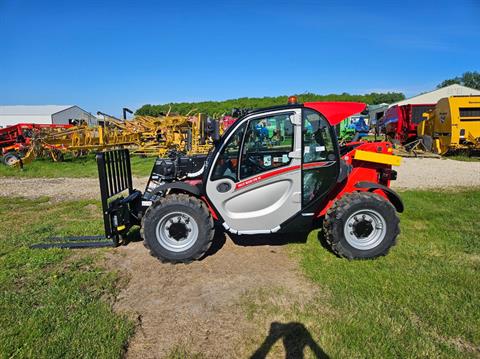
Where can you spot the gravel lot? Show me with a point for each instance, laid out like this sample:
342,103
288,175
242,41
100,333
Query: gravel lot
413,173
436,173
58,189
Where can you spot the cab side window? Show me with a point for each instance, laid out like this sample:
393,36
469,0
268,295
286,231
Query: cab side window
227,162
268,141
318,146
317,141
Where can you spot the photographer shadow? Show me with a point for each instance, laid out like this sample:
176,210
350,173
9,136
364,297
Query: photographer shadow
295,338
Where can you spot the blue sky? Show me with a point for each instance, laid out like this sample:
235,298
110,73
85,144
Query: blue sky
104,55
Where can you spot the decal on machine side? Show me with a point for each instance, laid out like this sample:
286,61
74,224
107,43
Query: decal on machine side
265,175
279,171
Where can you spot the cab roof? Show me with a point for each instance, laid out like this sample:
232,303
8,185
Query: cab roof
334,112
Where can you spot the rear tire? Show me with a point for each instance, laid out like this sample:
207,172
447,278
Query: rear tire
177,228
361,225
10,158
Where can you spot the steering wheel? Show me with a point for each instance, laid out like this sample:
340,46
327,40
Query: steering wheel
256,164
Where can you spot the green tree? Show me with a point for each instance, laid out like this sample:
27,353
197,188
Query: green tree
217,108
470,79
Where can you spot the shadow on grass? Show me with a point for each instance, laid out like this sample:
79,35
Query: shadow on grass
274,239
323,241
247,240
132,236
218,242
295,338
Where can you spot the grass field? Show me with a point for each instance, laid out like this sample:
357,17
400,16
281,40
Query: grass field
465,158
55,303
78,167
422,300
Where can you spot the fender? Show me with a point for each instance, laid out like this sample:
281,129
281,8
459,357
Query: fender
189,188
392,196
186,187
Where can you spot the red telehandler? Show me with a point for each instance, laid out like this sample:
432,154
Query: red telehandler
277,169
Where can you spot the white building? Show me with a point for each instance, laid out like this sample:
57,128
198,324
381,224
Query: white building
434,96
43,114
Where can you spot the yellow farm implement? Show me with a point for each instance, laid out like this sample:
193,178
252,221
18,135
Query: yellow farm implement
145,135
453,125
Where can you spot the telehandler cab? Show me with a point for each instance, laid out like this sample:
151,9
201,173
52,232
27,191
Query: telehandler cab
277,169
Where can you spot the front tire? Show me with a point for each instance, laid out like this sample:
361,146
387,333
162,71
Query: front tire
361,225
178,228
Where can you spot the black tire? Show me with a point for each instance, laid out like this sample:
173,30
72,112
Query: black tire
56,155
10,158
427,142
343,214
181,207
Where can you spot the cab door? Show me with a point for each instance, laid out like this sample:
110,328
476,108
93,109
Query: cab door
321,160
255,181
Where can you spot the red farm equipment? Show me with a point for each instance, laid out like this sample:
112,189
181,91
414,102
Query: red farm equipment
15,140
400,122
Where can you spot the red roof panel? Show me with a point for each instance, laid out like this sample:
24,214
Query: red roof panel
336,112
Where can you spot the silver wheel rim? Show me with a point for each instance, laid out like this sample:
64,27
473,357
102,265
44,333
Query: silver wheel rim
11,160
365,229
177,231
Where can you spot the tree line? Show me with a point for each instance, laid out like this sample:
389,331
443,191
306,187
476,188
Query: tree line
470,79
217,108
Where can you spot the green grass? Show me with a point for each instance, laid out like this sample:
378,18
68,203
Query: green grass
422,300
55,303
464,158
72,167
371,138
181,352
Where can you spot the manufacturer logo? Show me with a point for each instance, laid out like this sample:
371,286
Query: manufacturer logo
443,117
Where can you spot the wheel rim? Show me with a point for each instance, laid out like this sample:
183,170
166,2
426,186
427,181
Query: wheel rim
11,160
177,231
365,229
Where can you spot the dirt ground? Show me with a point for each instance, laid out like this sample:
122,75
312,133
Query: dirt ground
197,306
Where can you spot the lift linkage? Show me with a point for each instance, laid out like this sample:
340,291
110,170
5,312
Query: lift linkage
119,213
